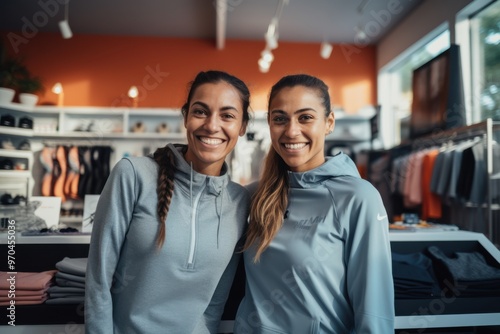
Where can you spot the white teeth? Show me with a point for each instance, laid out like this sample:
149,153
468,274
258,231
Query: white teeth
295,146
211,141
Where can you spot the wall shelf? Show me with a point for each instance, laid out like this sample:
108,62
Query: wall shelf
13,131
105,122
16,154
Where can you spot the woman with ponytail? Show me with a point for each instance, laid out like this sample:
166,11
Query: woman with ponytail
163,250
317,253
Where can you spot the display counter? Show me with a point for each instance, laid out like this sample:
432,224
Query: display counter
39,253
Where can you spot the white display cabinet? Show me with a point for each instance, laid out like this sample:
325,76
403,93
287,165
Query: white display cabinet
443,312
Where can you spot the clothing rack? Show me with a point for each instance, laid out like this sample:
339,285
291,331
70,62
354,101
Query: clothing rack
485,130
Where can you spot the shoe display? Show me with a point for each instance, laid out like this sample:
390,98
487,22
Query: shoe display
6,164
7,199
26,122
139,127
162,128
7,120
24,145
7,144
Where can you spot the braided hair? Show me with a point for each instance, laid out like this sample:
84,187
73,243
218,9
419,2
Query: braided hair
164,157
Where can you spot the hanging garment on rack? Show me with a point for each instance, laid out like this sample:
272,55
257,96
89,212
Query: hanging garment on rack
59,180
431,203
379,179
441,171
466,174
398,174
47,161
413,182
495,181
73,175
480,177
100,168
444,180
455,168
85,170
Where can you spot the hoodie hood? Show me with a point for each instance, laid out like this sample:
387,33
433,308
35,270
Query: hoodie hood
338,165
188,177
193,181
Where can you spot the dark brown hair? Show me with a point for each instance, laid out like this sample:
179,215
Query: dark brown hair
165,157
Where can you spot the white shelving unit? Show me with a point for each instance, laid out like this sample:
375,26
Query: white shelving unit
105,122
16,181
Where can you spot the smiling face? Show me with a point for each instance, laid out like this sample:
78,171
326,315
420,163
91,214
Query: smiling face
298,127
213,123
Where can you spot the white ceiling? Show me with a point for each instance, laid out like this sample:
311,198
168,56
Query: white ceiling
301,20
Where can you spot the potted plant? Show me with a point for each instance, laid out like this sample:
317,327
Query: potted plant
15,76
8,69
27,86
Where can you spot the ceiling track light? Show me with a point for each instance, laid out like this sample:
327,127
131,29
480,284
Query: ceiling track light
64,24
271,37
360,35
325,50
267,55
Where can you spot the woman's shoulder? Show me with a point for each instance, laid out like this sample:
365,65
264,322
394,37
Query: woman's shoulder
352,185
140,166
236,190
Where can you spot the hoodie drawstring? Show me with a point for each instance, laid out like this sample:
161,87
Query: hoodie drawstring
191,185
219,211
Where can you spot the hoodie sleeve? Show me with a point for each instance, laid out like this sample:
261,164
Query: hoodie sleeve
213,313
369,268
112,217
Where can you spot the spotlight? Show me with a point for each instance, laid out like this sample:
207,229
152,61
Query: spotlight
64,24
271,34
267,55
360,35
326,50
65,29
264,65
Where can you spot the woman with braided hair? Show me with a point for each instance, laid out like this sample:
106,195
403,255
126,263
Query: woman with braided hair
163,250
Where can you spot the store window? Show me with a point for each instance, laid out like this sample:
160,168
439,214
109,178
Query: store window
485,59
399,76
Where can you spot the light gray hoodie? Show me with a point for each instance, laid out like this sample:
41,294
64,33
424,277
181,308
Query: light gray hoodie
328,270
131,287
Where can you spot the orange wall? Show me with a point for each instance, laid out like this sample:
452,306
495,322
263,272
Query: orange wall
98,70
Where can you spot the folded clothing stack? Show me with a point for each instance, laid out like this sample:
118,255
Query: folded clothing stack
468,272
414,276
70,282
25,288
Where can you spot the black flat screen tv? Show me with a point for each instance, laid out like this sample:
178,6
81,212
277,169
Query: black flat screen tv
438,99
